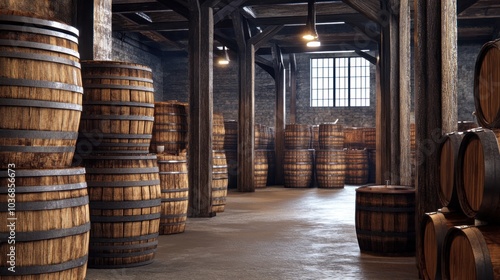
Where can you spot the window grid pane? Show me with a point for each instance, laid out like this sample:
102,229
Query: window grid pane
340,82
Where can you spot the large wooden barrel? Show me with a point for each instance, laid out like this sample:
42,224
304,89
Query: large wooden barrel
298,168
40,92
231,137
433,230
330,168
174,193
218,131
478,175
370,138
448,154
118,107
261,168
261,136
219,181
170,126
331,136
353,138
471,252
393,209
46,213
125,204
297,136
356,162
487,85
44,9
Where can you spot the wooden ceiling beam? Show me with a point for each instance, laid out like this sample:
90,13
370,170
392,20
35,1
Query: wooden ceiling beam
463,5
262,38
369,8
178,6
139,7
227,10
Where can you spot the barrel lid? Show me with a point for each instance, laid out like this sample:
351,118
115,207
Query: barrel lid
385,189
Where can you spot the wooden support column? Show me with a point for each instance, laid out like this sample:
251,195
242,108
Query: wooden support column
94,22
246,114
449,65
279,144
428,107
293,88
201,33
405,91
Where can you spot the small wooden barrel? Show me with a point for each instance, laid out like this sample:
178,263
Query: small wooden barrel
315,137
218,131
219,181
40,92
466,125
471,252
118,107
331,136
261,137
369,137
477,181
433,230
356,167
330,168
385,219
46,211
125,207
372,166
298,168
448,154
487,85
297,136
232,168
231,137
174,193
353,138
170,126
271,163
261,168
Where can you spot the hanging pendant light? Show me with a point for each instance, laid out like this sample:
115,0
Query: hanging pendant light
224,60
310,31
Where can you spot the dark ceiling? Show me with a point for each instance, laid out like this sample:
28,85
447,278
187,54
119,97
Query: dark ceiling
163,24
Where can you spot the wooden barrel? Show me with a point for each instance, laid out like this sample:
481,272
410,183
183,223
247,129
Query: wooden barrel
40,92
232,168
271,163
170,126
372,165
118,107
477,181
46,212
261,137
471,252
331,136
330,168
386,205
466,125
219,181
353,138
298,168
487,85
125,206
448,154
356,162
231,137
46,9
369,137
261,168
433,230
297,136
413,135
174,193
315,137
218,131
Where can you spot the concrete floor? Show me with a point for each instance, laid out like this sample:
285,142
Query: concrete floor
274,233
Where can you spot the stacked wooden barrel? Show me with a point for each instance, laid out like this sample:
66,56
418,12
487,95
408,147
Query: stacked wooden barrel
220,177
123,179
264,156
298,163
170,127
461,241
357,154
330,156
45,200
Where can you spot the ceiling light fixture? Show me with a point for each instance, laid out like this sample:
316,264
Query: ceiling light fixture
225,59
314,44
310,32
